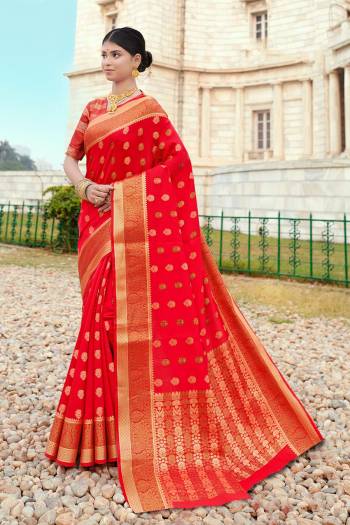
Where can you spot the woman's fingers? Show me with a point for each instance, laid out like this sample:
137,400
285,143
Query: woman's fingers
99,193
105,204
106,188
102,193
105,207
98,197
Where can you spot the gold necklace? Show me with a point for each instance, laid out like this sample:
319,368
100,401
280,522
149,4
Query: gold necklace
113,99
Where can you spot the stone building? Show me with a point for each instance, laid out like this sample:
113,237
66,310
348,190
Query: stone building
259,91
249,80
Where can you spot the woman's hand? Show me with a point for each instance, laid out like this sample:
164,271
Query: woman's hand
106,204
97,193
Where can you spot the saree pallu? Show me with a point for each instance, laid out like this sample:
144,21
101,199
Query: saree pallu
176,387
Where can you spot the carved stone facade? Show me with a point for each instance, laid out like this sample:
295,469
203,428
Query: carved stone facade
250,85
243,80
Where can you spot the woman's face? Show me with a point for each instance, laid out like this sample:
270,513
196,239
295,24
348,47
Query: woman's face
117,63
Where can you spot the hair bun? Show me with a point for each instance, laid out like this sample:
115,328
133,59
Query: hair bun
146,60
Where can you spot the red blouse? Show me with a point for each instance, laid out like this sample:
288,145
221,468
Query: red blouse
93,109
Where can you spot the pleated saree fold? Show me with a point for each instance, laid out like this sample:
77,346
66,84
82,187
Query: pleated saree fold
201,411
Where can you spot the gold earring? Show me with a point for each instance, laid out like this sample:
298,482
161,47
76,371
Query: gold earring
135,73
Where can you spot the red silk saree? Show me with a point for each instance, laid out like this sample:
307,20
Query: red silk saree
167,377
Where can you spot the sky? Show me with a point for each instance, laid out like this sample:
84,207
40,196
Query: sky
36,49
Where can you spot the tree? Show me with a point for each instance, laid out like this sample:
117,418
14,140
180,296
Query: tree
10,160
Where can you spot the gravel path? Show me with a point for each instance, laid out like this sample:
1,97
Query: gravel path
39,322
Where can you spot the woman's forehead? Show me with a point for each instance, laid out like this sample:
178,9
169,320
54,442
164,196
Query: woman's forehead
111,46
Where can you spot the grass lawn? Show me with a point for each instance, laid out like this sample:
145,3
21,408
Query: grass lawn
307,264
287,296
319,260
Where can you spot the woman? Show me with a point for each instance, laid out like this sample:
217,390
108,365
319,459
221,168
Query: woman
167,377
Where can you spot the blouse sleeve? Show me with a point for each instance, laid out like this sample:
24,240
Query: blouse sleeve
76,146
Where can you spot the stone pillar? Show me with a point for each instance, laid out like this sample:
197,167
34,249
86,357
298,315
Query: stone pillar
205,123
278,142
239,128
308,118
347,107
334,114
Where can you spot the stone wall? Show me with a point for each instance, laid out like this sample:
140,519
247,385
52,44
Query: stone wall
28,186
295,189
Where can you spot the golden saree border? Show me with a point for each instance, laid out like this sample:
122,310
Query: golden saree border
289,413
125,115
137,456
96,246
69,436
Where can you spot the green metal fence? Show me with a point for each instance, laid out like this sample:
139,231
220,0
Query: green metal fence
300,248
29,225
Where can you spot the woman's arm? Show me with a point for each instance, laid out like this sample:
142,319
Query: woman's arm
72,170
94,191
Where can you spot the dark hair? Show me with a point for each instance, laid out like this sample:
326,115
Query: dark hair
133,41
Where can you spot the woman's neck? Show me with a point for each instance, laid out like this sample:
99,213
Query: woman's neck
118,89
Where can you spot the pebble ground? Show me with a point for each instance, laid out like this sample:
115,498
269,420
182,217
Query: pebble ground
39,322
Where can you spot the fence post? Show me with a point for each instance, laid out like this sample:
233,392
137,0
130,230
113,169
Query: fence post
36,222
221,235
1,218
310,247
279,243
249,239
21,226
346,267
7,219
